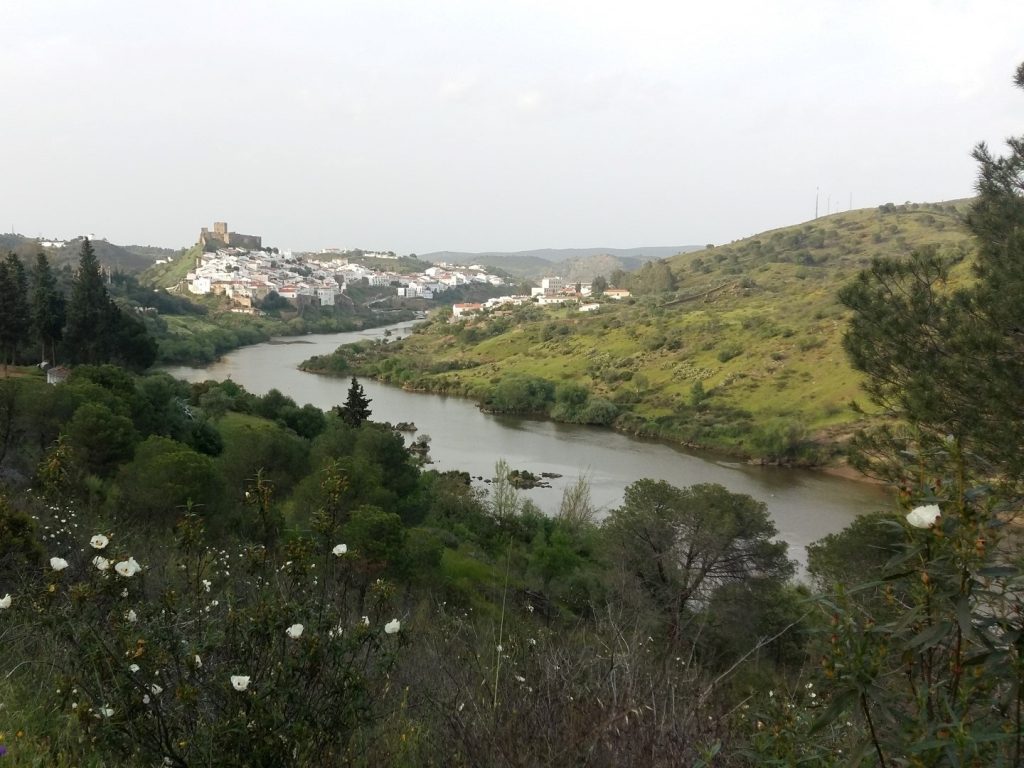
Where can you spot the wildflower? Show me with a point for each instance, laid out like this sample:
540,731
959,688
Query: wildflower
5,602
925,516
199,662
58,563
206,584
131,617
155,689
145,698
392,626
366,621
128,568
101,563
533,641
106,711
294,631
340,549
124,592
240,682
133,668
520,679
99,541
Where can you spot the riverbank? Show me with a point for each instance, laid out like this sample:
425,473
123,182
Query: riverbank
806,505
202,339
728,433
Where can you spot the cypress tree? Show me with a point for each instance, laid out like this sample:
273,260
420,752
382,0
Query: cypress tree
47,308
356,409
88,311
14,312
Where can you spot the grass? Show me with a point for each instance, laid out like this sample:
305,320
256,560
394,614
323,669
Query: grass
756,322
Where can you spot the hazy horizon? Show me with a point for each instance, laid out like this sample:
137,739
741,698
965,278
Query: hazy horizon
479,126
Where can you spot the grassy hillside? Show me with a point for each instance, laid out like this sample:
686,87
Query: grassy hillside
173,273
746,356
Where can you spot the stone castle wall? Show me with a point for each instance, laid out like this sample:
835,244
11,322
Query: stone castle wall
222,237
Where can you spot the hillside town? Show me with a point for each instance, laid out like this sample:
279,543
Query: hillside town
552,292
248,273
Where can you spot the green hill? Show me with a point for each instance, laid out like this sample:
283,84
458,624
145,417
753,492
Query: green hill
745,355
172,273
131,259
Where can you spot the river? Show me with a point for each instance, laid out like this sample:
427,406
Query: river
806,505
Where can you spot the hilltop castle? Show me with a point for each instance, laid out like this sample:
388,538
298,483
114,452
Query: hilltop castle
220,237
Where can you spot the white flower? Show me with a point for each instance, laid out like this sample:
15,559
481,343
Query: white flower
5,602
128,568
101,563
133,667
366,621
924,517
124,592
155,689
340,549
106,711
239,682
294,631
206,584
131,617
520,679
199,662
145,698
58,563
392,626
99,541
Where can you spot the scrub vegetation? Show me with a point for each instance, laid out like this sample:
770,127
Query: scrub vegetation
737,347
191,575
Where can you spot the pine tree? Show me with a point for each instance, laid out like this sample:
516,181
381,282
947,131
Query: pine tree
14,313
356,409
6,311
951,362
88,311
47,308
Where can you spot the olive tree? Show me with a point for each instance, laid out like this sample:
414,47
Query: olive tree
680,545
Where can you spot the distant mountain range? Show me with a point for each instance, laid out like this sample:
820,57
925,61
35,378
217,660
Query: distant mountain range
570,263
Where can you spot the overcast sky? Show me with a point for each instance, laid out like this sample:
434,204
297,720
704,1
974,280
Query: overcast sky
419,126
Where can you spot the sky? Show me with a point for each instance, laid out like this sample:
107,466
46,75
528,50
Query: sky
418,126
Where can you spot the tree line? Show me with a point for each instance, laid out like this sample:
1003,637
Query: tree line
83,326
